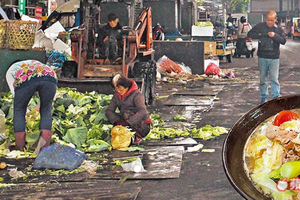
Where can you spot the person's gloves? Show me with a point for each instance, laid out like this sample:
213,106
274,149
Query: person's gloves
121,122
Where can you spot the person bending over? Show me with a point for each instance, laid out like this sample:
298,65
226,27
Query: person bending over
24,79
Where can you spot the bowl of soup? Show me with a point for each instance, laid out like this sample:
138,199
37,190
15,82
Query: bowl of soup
233,152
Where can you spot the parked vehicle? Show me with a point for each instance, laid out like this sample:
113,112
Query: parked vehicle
244,47
296,28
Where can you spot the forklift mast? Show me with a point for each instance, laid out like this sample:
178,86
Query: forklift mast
138,53
139,40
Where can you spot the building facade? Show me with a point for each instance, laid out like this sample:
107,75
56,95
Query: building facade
284,8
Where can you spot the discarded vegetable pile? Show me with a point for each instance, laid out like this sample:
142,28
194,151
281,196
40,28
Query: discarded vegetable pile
79,120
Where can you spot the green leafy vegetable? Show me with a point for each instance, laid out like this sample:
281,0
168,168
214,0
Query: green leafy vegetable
95,145
76,136
120,162
179,117
79,120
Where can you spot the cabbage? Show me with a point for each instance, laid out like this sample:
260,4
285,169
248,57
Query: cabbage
263,180
272,157
286,195
267,155
269,187
291,125
97,145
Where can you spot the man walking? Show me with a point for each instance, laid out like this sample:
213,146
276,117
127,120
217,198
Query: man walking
269,36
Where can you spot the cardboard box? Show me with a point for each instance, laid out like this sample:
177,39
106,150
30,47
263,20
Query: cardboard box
206,63
210,48
202,31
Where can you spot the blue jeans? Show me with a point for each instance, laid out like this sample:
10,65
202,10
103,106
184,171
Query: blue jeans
46,91
266,67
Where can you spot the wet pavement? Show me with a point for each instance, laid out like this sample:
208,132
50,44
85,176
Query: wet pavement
202,175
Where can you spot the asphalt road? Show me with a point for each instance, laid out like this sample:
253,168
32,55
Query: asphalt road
202,175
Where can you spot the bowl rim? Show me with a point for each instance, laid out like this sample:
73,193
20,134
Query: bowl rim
282,103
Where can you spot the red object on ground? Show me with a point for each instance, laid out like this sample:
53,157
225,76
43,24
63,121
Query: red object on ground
212,69
284,116
168,65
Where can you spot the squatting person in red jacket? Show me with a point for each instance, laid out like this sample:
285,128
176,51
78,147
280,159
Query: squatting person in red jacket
131,104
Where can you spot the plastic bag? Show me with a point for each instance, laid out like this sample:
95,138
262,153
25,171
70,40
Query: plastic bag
56,59
166,65
134,166
212,69
185,68
59,156
120,137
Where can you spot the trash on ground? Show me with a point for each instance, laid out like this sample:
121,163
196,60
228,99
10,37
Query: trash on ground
90,166
15,154
208,150
212,69
3,165
15,173
59,156
166,65
134,166
194,148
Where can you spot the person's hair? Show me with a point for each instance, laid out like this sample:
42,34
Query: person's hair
243,19
112,17
121,80
272,14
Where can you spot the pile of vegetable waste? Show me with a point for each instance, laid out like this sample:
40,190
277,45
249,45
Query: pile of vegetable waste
79,120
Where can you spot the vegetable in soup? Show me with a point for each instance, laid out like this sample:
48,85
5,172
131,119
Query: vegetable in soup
272,156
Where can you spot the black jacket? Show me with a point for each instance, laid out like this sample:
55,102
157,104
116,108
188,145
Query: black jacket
267,47
112,31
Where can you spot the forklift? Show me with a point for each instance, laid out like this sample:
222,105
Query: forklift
88,71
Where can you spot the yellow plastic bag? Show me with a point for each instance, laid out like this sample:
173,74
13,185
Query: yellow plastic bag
120,137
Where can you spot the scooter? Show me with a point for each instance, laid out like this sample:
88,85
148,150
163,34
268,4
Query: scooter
244,46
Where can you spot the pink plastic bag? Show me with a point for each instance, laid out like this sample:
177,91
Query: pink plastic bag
212,69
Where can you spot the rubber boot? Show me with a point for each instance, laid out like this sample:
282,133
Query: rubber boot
20,140
46,135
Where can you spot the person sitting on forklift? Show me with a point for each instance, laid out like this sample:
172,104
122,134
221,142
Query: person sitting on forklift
127,107
111,37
